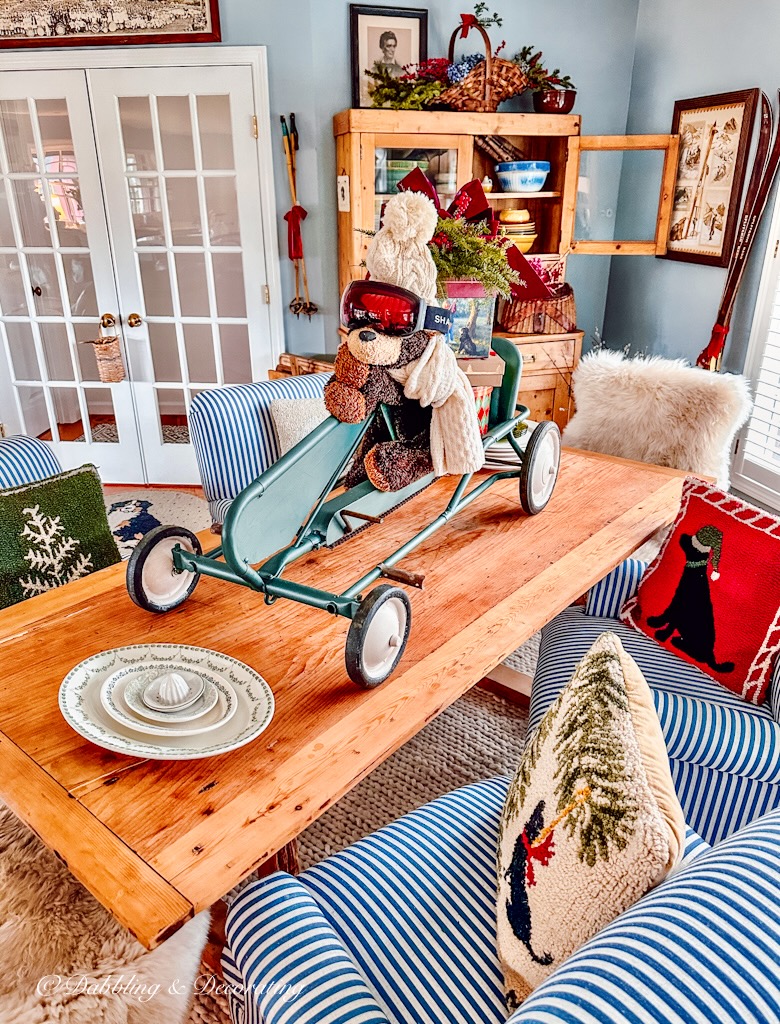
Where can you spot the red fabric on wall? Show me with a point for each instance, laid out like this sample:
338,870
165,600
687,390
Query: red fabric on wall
712,595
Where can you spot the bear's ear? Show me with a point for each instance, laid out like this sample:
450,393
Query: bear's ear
373,347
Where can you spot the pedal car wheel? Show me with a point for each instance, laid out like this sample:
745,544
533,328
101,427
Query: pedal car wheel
539,470
378,634
152,581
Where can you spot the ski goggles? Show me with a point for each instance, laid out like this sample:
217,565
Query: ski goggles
392,310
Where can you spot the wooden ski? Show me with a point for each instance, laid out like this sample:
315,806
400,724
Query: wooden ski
765,167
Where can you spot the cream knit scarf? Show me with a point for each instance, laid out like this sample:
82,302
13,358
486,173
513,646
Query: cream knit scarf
435,379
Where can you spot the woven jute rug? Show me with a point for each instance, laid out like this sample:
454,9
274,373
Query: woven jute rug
479,736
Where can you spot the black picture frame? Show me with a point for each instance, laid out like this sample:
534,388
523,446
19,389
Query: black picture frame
705,207
365,22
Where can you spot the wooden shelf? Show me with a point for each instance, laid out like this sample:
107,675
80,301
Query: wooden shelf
523,195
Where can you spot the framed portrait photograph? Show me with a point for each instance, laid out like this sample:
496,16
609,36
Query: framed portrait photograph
108,22
390,36
715,133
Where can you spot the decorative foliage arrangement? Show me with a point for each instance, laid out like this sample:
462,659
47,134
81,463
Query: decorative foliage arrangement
469,251
539,78
417,89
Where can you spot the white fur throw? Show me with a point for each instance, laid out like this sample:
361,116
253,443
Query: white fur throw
658,410
65,960
435,379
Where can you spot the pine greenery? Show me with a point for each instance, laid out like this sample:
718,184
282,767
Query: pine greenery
462,252
406,93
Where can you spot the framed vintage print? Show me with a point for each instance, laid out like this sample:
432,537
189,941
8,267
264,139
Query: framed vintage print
715,134
108,23
390,36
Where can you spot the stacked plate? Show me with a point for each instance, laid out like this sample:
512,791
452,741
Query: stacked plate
501,454
166,701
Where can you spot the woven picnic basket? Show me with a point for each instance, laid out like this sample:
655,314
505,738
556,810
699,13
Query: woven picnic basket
108,354
485,86
556,315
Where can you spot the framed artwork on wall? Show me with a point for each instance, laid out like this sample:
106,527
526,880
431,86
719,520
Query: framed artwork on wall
715,134
390,36
108,23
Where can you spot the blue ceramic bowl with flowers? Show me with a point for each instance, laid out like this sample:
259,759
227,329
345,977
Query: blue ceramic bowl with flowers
523,175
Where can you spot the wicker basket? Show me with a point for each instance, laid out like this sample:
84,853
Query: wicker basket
556,315
486,85
108,354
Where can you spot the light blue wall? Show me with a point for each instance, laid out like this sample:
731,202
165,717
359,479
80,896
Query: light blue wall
687,48
308,56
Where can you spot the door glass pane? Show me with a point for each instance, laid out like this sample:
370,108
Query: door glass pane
229,284
440,166
54,124
193,290
65,195
18,135
6,228
43,275
102,418
66,409
146,208
236,362
12,297
176,133
216,138
199,343
34,414
81,284
136,121
85,352
156,283
56,351
33,215
23,357
173,416
165,352
222,210
184,211
612,181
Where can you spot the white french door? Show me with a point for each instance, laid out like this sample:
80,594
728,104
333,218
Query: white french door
132,192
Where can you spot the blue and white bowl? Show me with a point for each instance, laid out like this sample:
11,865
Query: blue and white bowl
523,175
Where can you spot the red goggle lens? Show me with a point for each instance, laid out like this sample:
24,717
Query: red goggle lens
388,308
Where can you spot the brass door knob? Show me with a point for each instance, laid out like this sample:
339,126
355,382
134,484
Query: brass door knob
107,320
134,320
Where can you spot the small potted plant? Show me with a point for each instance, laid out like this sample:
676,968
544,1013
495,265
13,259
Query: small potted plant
553,93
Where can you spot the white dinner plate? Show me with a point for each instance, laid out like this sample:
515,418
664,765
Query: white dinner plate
80,704
138,679
113,697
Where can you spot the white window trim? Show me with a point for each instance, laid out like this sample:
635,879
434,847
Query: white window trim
764,486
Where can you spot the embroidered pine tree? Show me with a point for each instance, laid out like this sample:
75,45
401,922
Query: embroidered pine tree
588,755
54,559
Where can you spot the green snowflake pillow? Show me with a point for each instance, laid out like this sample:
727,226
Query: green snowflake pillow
591,820
51,532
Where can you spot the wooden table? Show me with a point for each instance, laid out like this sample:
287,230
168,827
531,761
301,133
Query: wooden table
158,841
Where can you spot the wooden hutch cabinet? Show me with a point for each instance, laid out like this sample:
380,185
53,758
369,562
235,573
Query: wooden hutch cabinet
376,148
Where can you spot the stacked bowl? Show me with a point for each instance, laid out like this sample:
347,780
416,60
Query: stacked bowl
523,175
519,227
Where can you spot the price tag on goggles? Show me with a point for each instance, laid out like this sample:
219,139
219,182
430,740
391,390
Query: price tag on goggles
390,309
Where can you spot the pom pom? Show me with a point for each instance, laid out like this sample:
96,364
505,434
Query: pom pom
409,216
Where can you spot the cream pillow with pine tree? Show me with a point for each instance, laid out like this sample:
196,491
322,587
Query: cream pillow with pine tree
591,820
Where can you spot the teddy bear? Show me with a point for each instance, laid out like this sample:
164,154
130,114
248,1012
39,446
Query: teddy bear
416,377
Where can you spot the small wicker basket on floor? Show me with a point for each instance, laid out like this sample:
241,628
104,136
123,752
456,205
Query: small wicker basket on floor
108,354
556,315
486,85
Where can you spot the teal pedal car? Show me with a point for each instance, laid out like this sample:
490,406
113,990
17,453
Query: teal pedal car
296,506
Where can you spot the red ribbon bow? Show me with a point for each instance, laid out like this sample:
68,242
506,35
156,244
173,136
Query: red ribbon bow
294,240
469,202
468,22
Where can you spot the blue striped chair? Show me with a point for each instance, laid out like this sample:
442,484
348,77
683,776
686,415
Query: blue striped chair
23,460
234,436
724,752
400,929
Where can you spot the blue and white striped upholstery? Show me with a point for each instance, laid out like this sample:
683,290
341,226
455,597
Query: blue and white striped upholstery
704,724
702,948
608,595
23,460
413,907
234,435
773,698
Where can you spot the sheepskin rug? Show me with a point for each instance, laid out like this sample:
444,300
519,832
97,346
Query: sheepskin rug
65,960
658,410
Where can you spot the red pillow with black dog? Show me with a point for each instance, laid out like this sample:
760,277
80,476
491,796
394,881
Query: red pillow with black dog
712,595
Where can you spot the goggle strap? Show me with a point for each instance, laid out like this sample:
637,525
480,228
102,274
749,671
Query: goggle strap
437,318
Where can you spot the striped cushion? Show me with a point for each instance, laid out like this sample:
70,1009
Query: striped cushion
716,804
234,437
700,949
607,596
773,699
414,906
23,460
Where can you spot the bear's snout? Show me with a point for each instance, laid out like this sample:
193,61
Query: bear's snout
367,336
374,348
